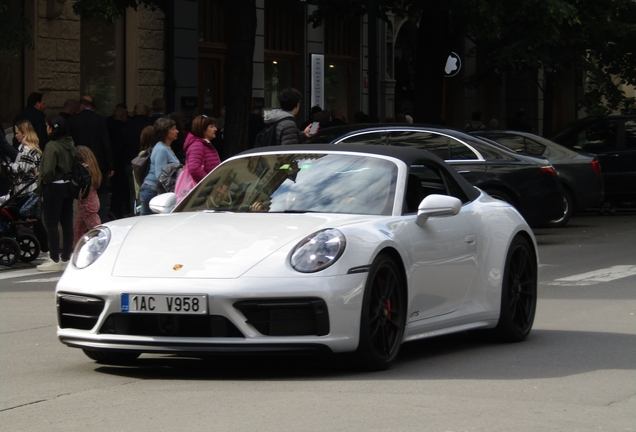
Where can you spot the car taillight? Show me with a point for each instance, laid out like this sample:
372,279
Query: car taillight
548,170
596,166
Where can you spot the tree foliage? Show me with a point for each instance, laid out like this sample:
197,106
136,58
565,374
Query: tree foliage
110,10
13,32
597,37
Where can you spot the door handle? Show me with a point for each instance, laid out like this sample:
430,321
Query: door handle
470,239
463,172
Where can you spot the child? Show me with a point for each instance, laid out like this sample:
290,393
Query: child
87,216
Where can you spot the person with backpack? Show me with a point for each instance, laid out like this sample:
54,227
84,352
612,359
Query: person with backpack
280,124
54,186
88,207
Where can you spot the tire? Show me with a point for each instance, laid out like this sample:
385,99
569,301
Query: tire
112,357
9,251
30,247
383,316
518,293
568,211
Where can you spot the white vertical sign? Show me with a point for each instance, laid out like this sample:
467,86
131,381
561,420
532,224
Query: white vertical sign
318,80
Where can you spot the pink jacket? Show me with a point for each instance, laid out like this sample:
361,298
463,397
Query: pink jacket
201,156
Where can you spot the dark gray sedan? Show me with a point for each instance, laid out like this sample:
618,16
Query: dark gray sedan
529,183
579,172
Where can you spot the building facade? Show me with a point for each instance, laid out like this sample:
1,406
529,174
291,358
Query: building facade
180,54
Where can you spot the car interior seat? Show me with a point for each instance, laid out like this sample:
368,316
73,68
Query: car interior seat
414,194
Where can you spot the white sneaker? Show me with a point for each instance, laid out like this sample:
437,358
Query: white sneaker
43,256
51,266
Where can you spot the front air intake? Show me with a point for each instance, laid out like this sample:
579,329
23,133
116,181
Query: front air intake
287,317
78,312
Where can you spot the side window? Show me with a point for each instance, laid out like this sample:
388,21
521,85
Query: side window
436,144
598,137
364,138
630,134
460,151
426,179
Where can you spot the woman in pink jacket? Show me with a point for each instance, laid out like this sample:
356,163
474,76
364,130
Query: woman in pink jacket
201,156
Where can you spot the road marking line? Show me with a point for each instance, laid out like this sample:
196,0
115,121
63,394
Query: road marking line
597,276
53,279
18,273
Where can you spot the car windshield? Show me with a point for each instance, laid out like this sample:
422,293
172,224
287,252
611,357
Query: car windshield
297,183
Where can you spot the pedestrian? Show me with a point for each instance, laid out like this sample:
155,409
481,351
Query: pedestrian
336,118
7,155
119,199
88,207
177,145
286,130
56,168
25,170
256,124
69,109
158,108
146,143
201,156
132,135
89,129
494,124
34,113
475,122
165,132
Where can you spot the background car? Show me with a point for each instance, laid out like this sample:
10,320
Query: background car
613,140
304,248
579,172
529,183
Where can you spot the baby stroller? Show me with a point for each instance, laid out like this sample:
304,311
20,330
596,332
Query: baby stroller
15,244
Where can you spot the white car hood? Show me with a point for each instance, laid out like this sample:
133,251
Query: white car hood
212,245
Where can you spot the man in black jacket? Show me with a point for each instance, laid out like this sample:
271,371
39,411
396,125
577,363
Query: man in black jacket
34,113
89,129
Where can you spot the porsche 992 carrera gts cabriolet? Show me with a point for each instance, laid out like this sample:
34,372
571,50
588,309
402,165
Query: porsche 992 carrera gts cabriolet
344,249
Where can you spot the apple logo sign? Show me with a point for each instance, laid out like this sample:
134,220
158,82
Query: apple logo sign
453,65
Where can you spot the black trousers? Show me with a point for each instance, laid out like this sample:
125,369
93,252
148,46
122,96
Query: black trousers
57,208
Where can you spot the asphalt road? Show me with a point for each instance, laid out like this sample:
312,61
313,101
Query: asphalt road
576,371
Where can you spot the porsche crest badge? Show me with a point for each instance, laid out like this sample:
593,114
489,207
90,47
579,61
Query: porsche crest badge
177,267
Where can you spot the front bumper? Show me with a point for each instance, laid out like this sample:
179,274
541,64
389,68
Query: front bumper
244,315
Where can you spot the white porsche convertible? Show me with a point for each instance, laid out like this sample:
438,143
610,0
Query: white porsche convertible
338,248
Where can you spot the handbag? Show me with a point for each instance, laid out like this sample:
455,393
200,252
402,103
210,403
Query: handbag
184,184
32,207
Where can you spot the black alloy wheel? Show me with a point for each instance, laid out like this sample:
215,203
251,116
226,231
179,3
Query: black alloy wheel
519,292
112,357
29,246
9,251
383,315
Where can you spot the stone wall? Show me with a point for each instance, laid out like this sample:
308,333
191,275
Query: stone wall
57,56
151,59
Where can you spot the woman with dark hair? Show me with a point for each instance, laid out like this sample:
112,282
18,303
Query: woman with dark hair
165,132
56,169
201,156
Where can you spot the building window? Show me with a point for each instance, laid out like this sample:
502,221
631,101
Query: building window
12,73
283,40
341,44
213,26
98,67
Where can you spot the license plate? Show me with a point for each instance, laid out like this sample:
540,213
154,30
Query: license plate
165,304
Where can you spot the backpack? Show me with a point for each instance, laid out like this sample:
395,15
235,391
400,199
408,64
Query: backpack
80,180
267,136
141,166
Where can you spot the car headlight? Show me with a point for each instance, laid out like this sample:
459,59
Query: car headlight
318,251
91,246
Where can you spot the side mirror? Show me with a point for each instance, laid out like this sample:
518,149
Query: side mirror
163,203
437,206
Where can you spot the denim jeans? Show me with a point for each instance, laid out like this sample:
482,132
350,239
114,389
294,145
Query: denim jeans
146,193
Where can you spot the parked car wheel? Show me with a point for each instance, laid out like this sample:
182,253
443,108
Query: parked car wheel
383,315
568,211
